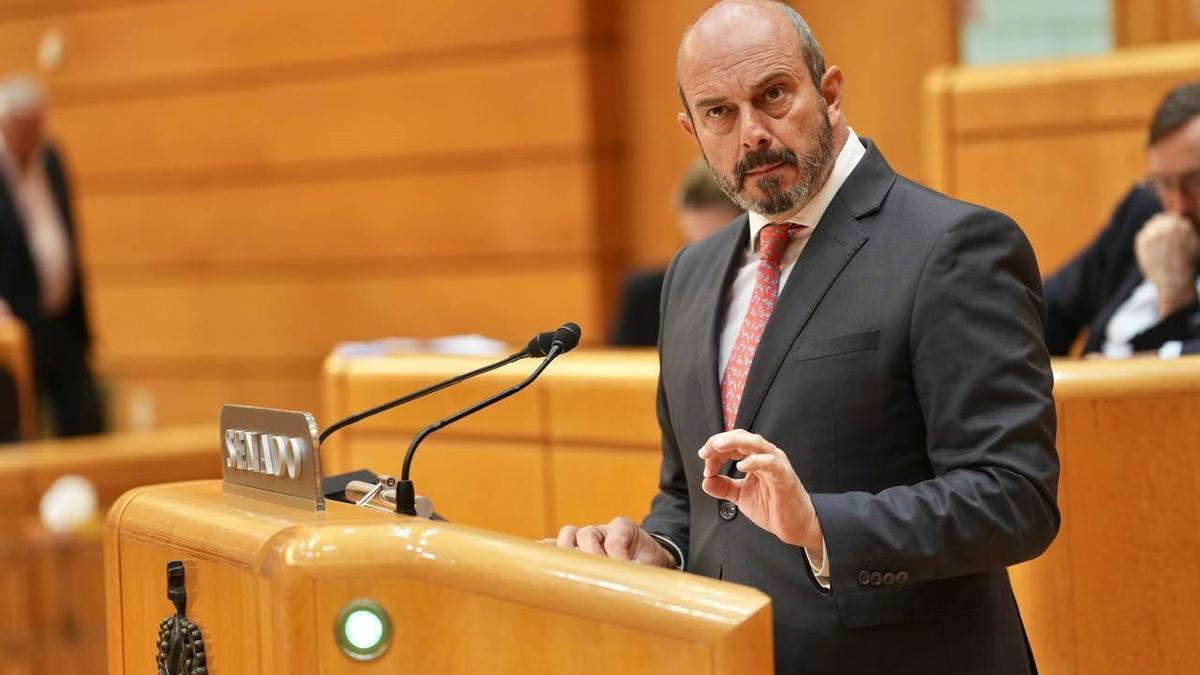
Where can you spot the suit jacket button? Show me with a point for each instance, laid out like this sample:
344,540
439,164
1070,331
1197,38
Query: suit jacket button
876,578
902,577
889,579
728,510
864,578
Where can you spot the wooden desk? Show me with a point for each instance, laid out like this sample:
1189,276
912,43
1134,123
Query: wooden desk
52,585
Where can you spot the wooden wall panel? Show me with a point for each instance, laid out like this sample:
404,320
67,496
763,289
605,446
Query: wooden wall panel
1055,144
147,394
1148,22
165,41
364,216
434,112
305,311
258,180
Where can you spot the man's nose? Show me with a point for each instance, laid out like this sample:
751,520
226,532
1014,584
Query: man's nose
755,135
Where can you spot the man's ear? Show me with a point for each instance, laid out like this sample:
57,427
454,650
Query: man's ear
831,90
685,121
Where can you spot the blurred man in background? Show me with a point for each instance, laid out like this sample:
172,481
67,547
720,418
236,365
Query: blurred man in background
702,209
1135,287
39,265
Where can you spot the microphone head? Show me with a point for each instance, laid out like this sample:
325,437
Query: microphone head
539,346
566,337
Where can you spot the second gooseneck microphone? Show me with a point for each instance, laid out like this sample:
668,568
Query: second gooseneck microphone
558,343
538,347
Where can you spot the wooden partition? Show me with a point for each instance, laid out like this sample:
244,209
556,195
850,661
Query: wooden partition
1055,145
51,585
266,583
1116,592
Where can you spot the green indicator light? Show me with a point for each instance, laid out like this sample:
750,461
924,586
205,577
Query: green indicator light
363,630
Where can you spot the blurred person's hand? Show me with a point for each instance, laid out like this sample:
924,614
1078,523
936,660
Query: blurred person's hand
621,539
5,311
1168,248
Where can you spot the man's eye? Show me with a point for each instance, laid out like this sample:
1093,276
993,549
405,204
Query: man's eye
774,93
714,113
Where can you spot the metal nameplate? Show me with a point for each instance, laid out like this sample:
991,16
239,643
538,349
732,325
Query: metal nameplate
272,455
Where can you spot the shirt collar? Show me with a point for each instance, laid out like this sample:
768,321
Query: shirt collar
852,152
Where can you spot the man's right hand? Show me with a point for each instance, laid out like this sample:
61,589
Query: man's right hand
621,539
1168,250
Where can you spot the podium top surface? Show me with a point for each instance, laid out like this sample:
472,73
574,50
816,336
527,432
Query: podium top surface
198,521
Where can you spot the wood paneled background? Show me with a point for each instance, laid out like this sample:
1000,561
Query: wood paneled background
257,180
1150,22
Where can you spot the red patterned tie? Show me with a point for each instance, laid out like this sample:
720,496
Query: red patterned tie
772,240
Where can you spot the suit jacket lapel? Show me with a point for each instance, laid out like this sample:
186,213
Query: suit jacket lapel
710,314
834,242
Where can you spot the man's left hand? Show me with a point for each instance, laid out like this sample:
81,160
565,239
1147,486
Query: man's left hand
1168,249
770,495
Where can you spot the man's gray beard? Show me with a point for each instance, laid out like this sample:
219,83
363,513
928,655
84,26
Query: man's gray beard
813,168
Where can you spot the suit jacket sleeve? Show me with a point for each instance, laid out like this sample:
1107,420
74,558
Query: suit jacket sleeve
1085,285
670,511
982,377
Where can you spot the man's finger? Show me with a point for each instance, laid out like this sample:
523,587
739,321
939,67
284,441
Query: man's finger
771,467
734,445
616,542
722,487
590,539
566,536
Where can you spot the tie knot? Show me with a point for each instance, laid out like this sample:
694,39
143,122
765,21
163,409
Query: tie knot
773,239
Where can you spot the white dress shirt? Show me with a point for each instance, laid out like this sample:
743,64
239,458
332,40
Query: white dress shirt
1138,313
737,299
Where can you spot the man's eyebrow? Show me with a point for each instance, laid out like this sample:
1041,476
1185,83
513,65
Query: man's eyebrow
773,75
711,100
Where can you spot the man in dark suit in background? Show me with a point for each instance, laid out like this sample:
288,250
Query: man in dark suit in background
39,266
702,208
854,393
1135,287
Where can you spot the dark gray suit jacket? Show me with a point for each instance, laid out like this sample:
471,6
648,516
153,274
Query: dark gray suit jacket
905,375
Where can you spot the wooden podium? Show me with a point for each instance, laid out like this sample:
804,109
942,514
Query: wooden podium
269,585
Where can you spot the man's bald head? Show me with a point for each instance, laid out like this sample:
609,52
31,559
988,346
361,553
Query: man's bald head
755,17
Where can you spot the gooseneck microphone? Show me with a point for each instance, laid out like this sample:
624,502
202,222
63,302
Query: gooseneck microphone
560,342
538,346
